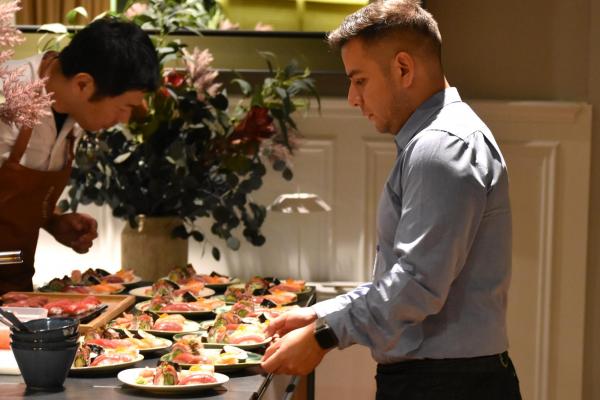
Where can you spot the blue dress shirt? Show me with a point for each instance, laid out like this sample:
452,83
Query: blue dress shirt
442,268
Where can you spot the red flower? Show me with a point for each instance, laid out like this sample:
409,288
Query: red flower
163,91
175,79
257,125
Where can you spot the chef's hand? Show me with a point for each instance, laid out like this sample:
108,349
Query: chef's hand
296,353
74,230
290,320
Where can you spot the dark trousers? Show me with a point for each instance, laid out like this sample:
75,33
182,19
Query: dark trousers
479,378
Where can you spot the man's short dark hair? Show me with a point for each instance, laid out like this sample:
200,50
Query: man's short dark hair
119,55
385,18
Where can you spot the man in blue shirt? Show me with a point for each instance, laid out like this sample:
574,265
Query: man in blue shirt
434,314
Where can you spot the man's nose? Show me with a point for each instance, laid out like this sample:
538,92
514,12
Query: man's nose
353,97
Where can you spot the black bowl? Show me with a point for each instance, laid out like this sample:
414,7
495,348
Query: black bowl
43,346
27,340
48,328
44,369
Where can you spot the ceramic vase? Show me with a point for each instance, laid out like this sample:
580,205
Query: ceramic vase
150,250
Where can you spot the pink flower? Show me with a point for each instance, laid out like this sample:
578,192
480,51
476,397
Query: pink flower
135,10
227,25
274,150
201,75
263,27
10,36
23,103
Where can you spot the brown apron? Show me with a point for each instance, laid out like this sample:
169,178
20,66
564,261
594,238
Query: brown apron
27,198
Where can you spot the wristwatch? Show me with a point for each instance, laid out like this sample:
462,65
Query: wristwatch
324,335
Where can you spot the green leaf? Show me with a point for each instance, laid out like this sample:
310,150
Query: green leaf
122,158
72,15
216,254
233,243
287,174
245,87
258,240
198,236
279,165
180,232
53,28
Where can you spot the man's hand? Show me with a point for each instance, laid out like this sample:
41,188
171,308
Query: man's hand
297,353
74,230
290,320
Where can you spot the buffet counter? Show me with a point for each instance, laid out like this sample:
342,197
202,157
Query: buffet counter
251,383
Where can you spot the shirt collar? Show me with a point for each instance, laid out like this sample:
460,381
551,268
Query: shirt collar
422,115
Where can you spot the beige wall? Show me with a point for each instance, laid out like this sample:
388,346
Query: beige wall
543,50
515,49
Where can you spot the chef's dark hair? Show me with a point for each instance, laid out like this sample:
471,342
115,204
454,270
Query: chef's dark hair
119,55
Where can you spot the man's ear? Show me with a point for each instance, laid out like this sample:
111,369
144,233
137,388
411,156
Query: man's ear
84,85
403,66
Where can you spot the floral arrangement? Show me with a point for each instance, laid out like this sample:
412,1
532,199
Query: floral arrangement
191,153
170,15
21,103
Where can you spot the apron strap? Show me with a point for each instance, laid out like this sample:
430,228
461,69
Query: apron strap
20,145
70,149
25,133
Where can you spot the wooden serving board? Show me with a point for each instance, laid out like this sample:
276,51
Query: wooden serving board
116,303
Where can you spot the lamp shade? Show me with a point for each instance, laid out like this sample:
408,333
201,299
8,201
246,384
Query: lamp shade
299,203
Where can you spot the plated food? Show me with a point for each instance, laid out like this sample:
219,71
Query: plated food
90,357
263,296
188,275
190,350
164,325
140,340
56,308
92,281
197,290
166,379
164,304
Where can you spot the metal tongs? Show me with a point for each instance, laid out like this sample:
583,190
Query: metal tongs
11,257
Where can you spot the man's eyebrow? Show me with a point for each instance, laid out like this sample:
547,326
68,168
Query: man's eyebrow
352,73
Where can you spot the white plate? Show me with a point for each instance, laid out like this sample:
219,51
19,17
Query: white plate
107,368
197,314
220,286
142,292
129,377
188,326
241,346
136,279
168,343
253,360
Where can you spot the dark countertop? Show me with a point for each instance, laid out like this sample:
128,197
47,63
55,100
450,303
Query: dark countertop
243,385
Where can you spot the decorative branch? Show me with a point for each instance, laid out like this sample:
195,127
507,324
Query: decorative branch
21,103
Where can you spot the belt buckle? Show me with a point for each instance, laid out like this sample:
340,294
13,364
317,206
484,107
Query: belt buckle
503,359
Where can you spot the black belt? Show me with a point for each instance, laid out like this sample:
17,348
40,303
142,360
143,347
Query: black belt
478,364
